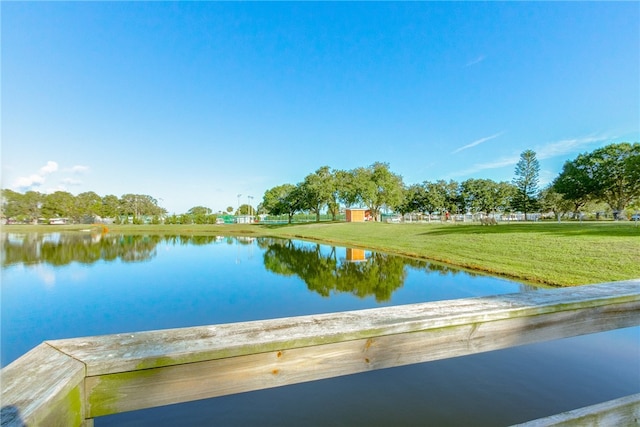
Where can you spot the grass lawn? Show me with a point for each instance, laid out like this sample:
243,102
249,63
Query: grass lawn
547,253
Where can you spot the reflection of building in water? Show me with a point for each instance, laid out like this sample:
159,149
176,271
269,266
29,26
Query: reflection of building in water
245,239
355,255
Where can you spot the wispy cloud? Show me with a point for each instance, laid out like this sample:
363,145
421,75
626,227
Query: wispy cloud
500,163
478,60
544,151
566,146
477,142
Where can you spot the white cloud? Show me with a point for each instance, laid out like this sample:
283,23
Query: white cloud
50,167
478,142
25,182
36,179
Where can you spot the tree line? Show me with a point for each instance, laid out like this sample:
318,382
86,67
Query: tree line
607,178
608,175
32,207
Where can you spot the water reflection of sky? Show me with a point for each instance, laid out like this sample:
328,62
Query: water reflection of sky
61,287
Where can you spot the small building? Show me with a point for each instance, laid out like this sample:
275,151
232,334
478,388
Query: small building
358,215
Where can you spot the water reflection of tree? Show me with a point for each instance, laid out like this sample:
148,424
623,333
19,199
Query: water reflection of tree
379,275
184,240
85,248
321,269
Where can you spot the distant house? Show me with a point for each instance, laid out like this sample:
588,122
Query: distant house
358,215
58,221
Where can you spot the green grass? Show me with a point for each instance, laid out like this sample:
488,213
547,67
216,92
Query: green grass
554,254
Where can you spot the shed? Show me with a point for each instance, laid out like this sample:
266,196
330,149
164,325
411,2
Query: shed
357,215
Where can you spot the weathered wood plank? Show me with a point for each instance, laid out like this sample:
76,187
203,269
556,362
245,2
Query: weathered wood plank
43,388
88,377
140,350
619,412
167,383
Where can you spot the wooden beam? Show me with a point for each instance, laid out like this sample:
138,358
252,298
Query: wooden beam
139,370
152,349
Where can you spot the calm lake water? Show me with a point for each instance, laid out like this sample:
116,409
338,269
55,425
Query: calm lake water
77,284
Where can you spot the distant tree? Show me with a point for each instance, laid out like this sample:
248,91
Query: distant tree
485,195
229,209
171,219
377,186
22,207
138,205
551,200
60,204
434,200
199,210
444,196
32,205
333,205
616,172
185,219
414,200
526,180
260,210
284,199
505,194
110,207
200,214
610,174
576,183
87,206
317,190
244,209
477,195
346,188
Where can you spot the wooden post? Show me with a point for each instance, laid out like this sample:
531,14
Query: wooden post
44,388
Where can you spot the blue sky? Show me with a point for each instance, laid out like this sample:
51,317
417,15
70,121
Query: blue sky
194,103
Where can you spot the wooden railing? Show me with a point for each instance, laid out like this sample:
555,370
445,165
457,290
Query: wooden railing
69,382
